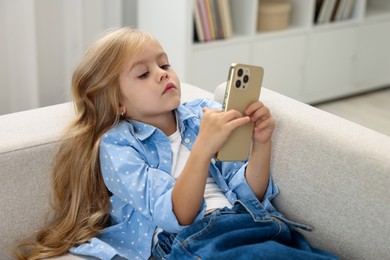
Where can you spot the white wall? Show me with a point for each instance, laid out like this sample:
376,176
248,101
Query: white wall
41,41
19,79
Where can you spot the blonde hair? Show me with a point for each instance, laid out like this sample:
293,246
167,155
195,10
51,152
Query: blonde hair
80,198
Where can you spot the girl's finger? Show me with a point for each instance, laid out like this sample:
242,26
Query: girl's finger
206,109
265,124
232,114
253,107
261,113
233,124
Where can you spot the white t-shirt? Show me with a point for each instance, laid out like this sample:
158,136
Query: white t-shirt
213,194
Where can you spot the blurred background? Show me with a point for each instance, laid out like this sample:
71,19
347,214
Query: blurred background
309,51
41,41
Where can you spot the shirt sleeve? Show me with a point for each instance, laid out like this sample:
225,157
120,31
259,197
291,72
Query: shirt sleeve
196,105
234,174
146,188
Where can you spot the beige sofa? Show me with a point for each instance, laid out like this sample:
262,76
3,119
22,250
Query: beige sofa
333,175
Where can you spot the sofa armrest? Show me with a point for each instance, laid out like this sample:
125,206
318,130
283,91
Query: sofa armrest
333,175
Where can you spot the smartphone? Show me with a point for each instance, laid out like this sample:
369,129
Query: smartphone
242,88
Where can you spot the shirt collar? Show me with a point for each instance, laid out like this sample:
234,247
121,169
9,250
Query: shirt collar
143,131
183,114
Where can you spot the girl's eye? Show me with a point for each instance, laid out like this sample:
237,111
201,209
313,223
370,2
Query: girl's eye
165,66
143,75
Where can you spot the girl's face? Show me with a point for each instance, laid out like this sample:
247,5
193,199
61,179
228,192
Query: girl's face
150,88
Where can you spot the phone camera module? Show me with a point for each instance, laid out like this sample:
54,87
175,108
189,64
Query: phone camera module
246,79
242,78
240,72
238,83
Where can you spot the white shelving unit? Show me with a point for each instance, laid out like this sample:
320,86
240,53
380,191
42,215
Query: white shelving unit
307,61
373,59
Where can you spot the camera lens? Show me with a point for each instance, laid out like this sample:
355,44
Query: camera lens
246,78
238,83
240,72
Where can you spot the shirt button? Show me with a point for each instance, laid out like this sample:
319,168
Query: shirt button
212,160
187,140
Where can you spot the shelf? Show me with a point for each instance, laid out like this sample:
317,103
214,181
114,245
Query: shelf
244,17
335,25
237,39
306,61
291,31
377,10
377,15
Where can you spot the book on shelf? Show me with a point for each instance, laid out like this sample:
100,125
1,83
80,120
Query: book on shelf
325,11
318,7
348,9
332,10
210,16
216,19
336,7
200,7
345,10
199,34
212,20
226,17
340,10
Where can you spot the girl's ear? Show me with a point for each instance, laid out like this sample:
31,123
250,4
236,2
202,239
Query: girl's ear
122,110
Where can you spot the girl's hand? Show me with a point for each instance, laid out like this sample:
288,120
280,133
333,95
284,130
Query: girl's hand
258,168
264,122
188,192
216,126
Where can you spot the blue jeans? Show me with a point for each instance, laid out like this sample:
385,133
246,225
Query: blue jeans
246,231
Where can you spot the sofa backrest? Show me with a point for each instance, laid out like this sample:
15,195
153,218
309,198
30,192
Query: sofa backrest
333,175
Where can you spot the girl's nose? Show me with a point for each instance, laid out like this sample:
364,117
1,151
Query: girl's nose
163,75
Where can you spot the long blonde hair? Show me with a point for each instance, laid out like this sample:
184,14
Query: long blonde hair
80,198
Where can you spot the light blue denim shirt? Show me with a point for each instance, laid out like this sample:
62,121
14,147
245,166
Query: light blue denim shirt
136,163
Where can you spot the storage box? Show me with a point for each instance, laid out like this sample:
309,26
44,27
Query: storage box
273,15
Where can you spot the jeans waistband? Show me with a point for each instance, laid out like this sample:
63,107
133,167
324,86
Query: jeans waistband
258,212
254,208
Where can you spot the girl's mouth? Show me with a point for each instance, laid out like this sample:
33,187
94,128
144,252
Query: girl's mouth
168,87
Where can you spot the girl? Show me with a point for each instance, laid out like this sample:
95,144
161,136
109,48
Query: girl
136,177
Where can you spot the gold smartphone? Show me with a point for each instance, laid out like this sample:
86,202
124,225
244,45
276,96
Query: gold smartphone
242,89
